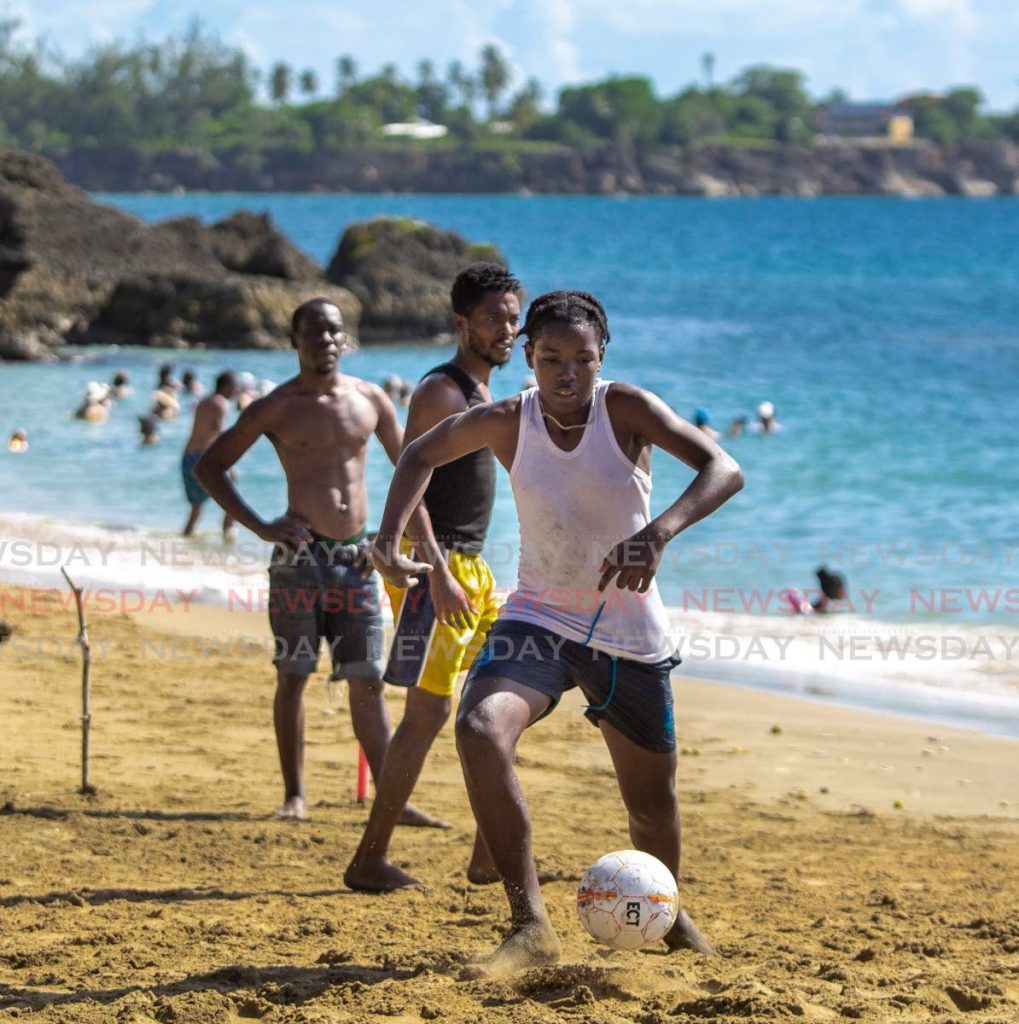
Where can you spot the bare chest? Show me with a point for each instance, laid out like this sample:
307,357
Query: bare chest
333,423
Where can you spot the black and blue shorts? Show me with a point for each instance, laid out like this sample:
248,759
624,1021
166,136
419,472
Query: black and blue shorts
634,697
319,592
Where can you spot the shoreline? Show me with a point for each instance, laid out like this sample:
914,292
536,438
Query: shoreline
763,743
170,629
936,671
902,744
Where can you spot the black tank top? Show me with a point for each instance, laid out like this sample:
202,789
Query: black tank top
460,495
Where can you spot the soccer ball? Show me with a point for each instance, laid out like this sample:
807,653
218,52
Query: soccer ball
628,899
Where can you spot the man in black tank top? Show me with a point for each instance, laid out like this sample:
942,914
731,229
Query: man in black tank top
442,621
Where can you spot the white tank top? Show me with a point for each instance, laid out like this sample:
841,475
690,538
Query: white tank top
574,507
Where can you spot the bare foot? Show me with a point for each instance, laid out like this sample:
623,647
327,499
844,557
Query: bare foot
293,809
531,945
381,876
416,818
684,934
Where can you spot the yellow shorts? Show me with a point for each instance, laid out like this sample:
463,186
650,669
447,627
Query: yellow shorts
431,654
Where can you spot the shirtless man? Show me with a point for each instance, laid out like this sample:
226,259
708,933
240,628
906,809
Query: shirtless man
321,584
441,624
210,419
578,451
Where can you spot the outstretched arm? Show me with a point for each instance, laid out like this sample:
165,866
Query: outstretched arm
648,420
483,426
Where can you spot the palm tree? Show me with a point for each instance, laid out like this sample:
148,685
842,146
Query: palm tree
461,83
308,82
281,80
708,65
495,76
346,74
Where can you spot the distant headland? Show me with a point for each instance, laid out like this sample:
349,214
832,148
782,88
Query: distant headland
189,112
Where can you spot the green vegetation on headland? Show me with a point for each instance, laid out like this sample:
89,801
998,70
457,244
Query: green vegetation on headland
188,112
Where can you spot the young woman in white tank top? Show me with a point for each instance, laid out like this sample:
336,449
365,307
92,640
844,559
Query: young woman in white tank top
578,453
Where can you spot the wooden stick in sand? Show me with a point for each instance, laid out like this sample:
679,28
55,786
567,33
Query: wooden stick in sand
87,788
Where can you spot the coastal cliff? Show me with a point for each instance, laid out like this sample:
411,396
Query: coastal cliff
972,169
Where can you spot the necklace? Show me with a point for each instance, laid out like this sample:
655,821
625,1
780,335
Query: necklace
552,419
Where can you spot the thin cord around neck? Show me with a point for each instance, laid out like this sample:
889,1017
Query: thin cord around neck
552,419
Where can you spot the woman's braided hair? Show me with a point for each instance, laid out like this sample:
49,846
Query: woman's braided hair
566,307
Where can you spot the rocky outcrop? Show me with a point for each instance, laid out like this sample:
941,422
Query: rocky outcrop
232,311
401,270
248,243
75,271
843,169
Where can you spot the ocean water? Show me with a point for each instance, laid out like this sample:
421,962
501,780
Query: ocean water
885,331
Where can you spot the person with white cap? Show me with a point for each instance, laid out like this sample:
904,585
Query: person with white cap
766,422
247,390
96,406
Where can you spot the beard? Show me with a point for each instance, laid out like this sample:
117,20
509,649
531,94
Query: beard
489,355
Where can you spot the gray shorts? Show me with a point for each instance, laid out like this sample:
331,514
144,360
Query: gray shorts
315,595
633,696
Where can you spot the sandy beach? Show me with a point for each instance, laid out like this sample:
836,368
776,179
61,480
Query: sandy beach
845,864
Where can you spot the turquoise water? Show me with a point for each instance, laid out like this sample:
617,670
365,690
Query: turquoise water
885,331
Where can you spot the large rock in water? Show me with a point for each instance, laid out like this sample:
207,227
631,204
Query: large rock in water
227,312
75,271
401,271
248,243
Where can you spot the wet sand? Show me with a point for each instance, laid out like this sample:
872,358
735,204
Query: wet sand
846,865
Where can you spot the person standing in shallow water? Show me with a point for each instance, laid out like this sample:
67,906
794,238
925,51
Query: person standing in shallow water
210,419
586,611
321,583
440,624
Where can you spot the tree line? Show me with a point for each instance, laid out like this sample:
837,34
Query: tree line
194,91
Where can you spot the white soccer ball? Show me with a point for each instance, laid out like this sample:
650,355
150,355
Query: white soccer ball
628,899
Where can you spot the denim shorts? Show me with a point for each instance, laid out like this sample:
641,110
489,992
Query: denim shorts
633,696
315,594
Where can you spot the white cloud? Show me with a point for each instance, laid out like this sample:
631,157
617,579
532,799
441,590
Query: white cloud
553,30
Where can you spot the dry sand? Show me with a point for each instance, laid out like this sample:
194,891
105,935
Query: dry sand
846,865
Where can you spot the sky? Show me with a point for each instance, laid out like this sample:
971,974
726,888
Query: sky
873,49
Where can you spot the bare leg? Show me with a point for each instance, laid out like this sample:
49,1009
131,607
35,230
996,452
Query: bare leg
423,718
493,714
647,782
189,526
288,717
229,534
370,718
